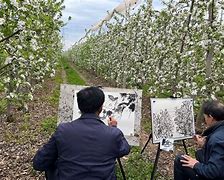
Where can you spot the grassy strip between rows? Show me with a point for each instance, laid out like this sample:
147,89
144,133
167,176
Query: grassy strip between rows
72,76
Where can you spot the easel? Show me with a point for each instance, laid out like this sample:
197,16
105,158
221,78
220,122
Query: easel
158,154
121,168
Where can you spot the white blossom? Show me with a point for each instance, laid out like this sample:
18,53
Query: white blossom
8,60
21,24
2,21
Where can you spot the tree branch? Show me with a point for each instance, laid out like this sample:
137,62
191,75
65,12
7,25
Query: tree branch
8,37
5,66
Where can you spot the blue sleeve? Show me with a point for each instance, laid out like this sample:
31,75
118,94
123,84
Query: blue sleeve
214,168
46,157
124,147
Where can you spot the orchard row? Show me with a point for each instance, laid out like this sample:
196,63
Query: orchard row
30,45
177,51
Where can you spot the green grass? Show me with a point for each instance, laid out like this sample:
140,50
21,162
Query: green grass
145,90
58,79
136,167
146,124
49,124
54,98
191,151
72,76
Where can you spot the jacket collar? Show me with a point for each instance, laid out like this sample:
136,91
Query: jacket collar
213,128
91,116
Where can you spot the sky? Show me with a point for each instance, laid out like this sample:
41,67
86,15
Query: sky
86,13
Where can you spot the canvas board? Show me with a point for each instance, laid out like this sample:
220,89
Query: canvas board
172,118
122,104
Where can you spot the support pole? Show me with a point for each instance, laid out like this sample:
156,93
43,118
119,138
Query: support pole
150,137
185,147
121,168
155,163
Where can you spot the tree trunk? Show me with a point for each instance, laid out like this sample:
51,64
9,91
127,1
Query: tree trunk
208,65
210,50
9,102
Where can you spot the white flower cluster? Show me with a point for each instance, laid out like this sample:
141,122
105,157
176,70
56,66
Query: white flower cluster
33,48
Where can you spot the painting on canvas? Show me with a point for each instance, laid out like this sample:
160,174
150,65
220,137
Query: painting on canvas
122,104
172,118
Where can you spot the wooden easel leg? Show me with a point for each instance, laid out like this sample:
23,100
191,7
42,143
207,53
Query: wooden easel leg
121,168
185,147
155,163
150,136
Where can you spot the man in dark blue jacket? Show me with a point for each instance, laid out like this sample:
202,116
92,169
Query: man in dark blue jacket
209,162
84,149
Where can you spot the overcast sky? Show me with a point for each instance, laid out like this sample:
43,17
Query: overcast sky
86,13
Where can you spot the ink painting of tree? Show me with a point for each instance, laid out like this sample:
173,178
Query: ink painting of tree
163,125
183,119
122,104
172,118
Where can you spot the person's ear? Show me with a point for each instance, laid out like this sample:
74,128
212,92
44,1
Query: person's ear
210,116
213,119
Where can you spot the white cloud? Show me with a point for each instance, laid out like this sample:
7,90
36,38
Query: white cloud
84,13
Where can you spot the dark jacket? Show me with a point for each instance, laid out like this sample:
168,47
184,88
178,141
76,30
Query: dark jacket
212,165
84,149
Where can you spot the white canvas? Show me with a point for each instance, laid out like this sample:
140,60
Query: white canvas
120,105
172,118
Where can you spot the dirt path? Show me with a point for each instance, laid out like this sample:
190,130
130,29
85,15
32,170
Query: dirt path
19,140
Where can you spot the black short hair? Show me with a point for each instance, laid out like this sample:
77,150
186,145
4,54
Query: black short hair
90,99
215,109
